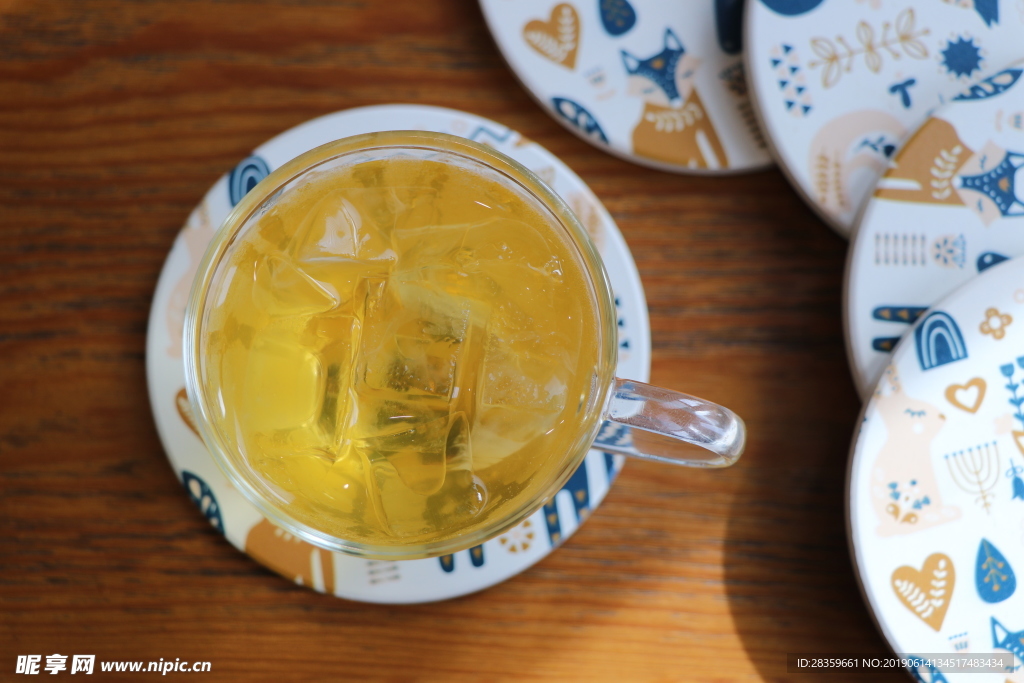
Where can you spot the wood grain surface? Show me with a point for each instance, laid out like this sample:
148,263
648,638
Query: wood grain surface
115,118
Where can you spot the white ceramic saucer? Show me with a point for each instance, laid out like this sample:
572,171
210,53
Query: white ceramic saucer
657,83
950,205
936,484
345,576
839,84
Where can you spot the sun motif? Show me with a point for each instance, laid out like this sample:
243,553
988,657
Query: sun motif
961,57
995,323
518,539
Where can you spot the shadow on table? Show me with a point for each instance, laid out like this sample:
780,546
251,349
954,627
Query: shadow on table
788,572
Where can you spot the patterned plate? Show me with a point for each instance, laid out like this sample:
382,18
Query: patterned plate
839,84
936,481
950,206
657,83
342,575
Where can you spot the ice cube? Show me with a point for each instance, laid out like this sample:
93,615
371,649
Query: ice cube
297,471
341,487
417,453
418,367
412,489
429,244
284,384
458,451
348,222
359,222
468,244
500,239
522,378
416,349
334,338
419,208
463,497
343,278
402,444
500,431
281,289
522,395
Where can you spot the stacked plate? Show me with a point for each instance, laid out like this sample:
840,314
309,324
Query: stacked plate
935,332
346,576
901,122
657,83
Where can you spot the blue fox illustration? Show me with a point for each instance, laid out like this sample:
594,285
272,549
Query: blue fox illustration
670,70
1000,184
674,126
1007,640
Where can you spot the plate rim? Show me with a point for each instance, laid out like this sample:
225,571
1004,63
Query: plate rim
857,559
780,160
611,149
155,359
864,386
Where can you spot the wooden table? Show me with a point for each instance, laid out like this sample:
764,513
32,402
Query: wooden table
115,118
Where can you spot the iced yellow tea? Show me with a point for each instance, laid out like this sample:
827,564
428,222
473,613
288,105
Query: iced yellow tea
402,349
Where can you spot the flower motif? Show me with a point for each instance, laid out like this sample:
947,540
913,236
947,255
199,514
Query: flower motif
996,323
518,539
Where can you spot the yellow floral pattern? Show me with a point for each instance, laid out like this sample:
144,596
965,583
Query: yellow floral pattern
518,539
995,323
839,55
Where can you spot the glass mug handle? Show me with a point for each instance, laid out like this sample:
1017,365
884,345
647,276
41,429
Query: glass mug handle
675,419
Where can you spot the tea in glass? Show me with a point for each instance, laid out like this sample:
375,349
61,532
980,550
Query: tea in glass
403,349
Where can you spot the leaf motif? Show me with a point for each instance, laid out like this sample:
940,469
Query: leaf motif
567,27
546,45
914,48
905,23
865,34
823,48
829,59
873,60
831,74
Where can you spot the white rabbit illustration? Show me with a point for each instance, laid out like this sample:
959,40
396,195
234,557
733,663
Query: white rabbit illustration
904,490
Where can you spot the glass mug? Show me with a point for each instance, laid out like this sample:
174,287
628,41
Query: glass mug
401,344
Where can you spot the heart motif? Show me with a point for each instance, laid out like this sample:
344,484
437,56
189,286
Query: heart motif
1018,438
960,395
926,592
185,410
558,37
